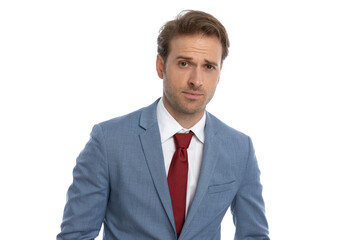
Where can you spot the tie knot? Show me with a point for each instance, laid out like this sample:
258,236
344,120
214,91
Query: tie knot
182,140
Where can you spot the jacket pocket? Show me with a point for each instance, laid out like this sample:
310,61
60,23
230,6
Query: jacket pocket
221,187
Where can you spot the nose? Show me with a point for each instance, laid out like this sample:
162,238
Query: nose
196,78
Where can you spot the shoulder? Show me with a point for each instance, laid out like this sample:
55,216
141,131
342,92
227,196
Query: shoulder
233,140
124,121
125,125
224,129
118,131
133,122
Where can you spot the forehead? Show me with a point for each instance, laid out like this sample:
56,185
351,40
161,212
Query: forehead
196,46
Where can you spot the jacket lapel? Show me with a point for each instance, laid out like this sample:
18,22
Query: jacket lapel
210,157
151,145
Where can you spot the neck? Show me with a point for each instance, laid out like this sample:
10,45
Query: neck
186,120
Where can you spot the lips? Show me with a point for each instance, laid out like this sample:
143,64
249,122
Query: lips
192,95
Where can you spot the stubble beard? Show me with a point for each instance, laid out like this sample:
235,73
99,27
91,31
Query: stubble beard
182,107
179,105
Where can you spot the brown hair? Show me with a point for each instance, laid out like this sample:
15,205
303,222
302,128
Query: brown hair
190,22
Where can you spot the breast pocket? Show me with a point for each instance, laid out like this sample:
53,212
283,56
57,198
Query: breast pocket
221,187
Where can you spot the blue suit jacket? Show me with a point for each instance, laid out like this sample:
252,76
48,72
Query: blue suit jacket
120,180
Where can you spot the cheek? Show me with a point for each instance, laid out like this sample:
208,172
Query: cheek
173,80
212,91
169,85
212,84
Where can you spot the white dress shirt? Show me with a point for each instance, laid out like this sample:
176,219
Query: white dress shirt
168,126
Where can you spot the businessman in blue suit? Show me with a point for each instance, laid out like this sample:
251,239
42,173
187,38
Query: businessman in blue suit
170,170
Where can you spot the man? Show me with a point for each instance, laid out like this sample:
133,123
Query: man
170,170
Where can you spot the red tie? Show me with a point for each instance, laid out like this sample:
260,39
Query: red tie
177,178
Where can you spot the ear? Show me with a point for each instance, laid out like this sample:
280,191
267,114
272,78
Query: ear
160,66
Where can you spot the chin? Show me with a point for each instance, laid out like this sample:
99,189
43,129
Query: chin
192,111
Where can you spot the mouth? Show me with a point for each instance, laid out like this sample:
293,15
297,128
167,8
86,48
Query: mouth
192,95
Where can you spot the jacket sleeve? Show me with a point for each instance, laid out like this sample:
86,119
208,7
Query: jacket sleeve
247,207
88,194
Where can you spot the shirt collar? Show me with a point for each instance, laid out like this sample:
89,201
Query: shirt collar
168,126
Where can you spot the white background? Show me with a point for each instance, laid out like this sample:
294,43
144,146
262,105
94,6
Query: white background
291,82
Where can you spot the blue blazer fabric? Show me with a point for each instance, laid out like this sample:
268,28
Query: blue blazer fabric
120,180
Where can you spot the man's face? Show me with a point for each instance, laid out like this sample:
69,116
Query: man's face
190,74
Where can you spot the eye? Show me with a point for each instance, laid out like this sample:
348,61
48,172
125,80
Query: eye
183,64
210,67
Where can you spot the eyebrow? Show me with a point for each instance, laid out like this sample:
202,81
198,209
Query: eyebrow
190,58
